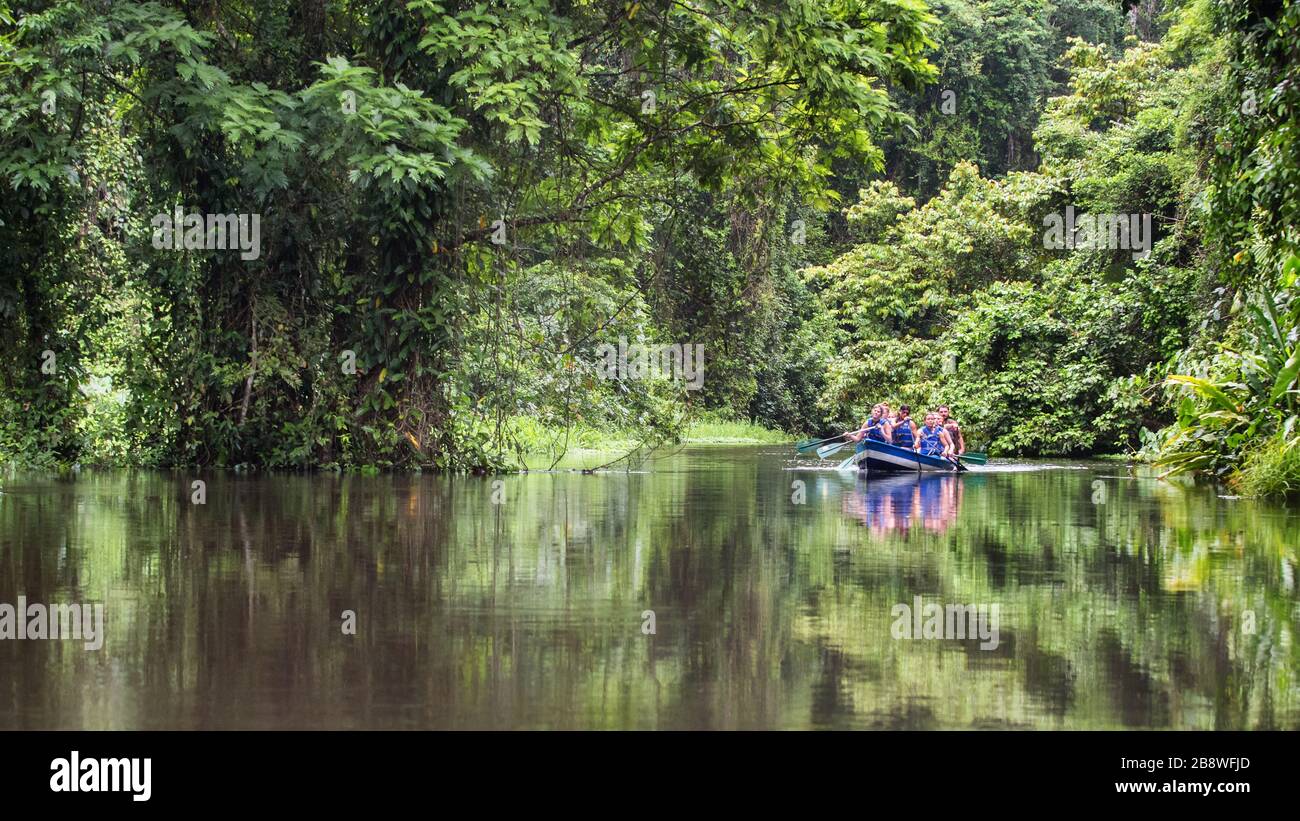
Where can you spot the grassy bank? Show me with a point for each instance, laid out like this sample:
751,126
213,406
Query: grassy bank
585,448
1271,469
733,433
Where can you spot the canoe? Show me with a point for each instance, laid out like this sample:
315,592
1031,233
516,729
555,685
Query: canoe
880,457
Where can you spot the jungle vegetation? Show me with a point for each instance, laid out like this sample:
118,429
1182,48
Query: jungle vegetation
842,201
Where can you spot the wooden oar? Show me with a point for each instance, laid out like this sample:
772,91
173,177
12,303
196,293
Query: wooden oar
809,445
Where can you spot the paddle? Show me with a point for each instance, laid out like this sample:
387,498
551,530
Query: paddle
809,445
830,450
975,458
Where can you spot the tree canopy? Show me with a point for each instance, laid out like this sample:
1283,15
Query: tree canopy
457,203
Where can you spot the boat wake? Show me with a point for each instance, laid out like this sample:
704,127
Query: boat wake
1022,467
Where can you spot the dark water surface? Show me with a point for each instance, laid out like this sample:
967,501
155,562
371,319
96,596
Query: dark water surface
1123,601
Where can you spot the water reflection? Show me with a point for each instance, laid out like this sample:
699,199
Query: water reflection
897,503
1129,603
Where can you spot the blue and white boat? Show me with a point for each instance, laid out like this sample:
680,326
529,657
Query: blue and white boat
879,457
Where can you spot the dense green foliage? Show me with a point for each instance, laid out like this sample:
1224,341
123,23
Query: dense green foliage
1248,395
842,201
1238,399
459,196
1041,351
960,299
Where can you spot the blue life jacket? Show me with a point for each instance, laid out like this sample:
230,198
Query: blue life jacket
876,429
931,445
903,433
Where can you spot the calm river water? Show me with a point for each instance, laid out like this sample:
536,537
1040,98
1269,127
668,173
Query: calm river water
773,590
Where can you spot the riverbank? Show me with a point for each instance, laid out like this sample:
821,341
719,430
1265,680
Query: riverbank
584,448
579,446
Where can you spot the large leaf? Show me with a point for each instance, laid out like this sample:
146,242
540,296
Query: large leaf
1287,376
1208,390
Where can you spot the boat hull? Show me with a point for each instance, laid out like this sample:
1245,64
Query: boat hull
879,457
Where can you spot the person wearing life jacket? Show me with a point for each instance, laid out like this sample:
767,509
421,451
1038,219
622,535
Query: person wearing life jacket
932,439
875,429
904,429
954,430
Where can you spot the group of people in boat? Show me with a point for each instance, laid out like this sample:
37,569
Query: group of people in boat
939,436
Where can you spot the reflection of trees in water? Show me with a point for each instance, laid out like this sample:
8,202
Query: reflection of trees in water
1128,613
527,614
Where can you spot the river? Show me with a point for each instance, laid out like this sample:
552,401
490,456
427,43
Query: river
712,587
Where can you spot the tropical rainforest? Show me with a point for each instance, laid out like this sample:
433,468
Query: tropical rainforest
457,203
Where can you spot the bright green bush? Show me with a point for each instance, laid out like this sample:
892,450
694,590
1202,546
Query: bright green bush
1243,398
1270,468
